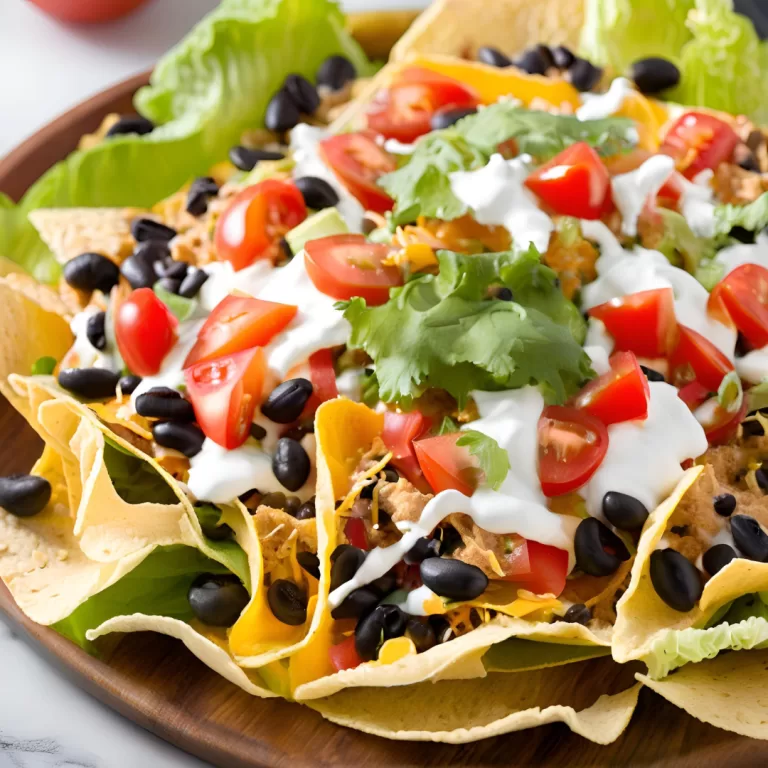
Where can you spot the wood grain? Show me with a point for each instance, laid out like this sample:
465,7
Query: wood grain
156,682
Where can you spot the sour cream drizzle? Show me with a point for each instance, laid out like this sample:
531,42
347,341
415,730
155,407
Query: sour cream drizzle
737,255
597,106
87,355
632,190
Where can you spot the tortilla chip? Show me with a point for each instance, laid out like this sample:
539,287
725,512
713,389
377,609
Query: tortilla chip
209,652
68,232
458,712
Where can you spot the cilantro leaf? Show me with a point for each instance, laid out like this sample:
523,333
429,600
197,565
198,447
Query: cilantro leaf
752,217
493,459
180,307
447,426
444,331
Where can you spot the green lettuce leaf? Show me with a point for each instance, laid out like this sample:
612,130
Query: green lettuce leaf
757,397
492,458
680,245
219,538
44,366
181,308
204,93
135,480
156,587
752,217
444,331
517,654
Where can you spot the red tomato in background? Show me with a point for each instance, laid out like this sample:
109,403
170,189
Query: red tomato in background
225,392
742,296
621,394
572,443
238,323
404,110
345,266
354,530
574,183
539,568
447,465
255,221
87,11
145,331
358,162
693,357
643,323
344,655
698,142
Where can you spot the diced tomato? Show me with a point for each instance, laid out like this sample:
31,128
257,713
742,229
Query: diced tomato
693,394
344,655
238,323
574,183
225,392
145,331
323,375
354,530
725,425
401,429
447,465
693,357
539,568
643,323
404,110
345,266
255,221
699,141
670,192
358,162
621,394
743,295
572,444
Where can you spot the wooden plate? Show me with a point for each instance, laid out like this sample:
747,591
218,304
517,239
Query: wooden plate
157,683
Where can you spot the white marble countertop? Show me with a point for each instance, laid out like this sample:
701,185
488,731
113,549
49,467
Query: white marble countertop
45,720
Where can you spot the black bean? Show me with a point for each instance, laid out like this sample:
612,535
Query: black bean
89,383
679,530
128,384
217,600
675,579
200,190
383,623
290,464
441,627
623,511
139,268
131,124
562,56
752,429
421,634
282,113
367,492
745,158
257,432
492,56
654,74
170,268
335,72
357,604
384,585
292,505
717,557
421,550
306,511
287,400
144,229
94,330
761,476
169,284
578,614
504,294
246,159
155,405
218,532
584,75
303,93
310,562
651,374
288,602
750,539
546,53
599,551
317,193
90,272
450,540
285,247
445,118
192,283
345,562
185,438
274,500
24,495
532,61
724,504
452,578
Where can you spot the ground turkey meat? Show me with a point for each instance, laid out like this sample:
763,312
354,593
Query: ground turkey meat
277,530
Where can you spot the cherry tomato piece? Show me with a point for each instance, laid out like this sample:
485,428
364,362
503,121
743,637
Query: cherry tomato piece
358,162
643,323
670,191
724,425
238,323
345,266
354,530
574,183
255,221
344,655
693,357
622,394
323,375
699,142
145,331
225,392
572,444
539,568
88,11
447,465
693,394
743,295
401,429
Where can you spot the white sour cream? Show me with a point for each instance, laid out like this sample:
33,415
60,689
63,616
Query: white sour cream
497,196
87,355
753,367
696,203
632,190
597,106
413,602
305,141
349,383
749,253
398,148
223,280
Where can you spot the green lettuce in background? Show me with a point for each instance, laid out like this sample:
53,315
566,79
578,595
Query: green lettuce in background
721,58
204,93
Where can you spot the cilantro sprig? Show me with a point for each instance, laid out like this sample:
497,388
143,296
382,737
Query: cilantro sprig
492,458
